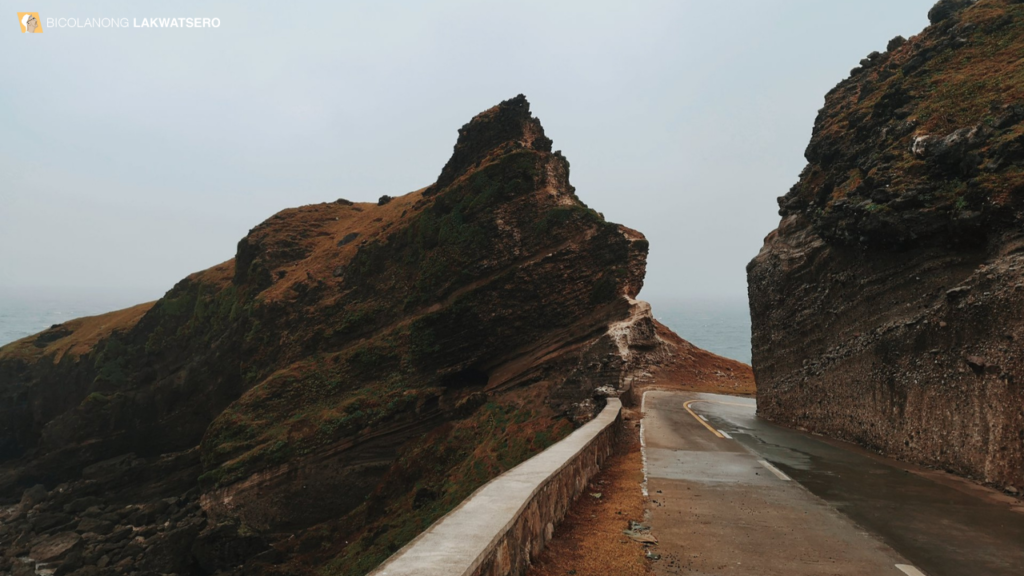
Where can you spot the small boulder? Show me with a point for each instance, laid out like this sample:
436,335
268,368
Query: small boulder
109,468
911,66
977,363
56,547
45,520
22,568
1009,116
142,517
33,496
158,507
95,525
384,200
129,552
953,148
82,504
923,145
348,238
71,562
582,412
111,517
119,534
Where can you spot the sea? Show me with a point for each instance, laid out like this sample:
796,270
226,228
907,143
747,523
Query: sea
719,325
27,311
716,324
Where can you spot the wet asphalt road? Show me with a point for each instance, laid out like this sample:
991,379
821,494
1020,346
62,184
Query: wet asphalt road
826,508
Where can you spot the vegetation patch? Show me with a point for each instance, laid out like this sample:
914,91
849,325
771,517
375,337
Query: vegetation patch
433,476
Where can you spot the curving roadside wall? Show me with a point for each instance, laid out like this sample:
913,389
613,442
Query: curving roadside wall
507,522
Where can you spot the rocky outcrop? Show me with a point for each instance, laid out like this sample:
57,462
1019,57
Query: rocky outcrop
887,306
350,376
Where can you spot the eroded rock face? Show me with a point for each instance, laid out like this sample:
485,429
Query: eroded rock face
887,307
355,372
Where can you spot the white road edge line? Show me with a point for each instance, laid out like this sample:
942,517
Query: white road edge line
643,443
905,568
704,419
782,476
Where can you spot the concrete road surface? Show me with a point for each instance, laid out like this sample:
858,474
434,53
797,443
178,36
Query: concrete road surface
734,495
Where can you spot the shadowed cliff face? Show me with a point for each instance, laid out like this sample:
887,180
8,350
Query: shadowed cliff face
354,373
887,306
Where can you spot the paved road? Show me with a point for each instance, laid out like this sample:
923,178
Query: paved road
734,495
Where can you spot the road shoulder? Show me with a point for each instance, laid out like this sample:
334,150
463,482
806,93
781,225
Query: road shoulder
590,541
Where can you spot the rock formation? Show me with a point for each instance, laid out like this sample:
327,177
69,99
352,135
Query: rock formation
888,306
350,376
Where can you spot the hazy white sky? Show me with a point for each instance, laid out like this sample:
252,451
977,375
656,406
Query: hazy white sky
132,157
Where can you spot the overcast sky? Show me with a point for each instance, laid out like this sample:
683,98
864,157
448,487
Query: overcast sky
132,157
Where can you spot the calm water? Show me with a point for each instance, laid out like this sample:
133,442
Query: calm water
721,326
24,312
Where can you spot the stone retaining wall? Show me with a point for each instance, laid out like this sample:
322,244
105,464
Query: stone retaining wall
507,522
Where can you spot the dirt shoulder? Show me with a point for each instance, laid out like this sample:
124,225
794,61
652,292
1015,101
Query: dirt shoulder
590,541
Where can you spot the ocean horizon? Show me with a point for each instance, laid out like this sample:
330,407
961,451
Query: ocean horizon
716,324
719,325
28,311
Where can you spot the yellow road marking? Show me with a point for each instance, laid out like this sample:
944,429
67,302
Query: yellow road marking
697,418
701,418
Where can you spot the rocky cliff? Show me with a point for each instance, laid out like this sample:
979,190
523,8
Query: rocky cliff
350,376
888,306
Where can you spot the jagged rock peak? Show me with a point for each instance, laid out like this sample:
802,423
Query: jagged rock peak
507,124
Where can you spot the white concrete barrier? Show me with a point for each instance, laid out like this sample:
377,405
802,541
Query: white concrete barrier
502,526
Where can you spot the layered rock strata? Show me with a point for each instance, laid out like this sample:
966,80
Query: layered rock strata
887,307
350,376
